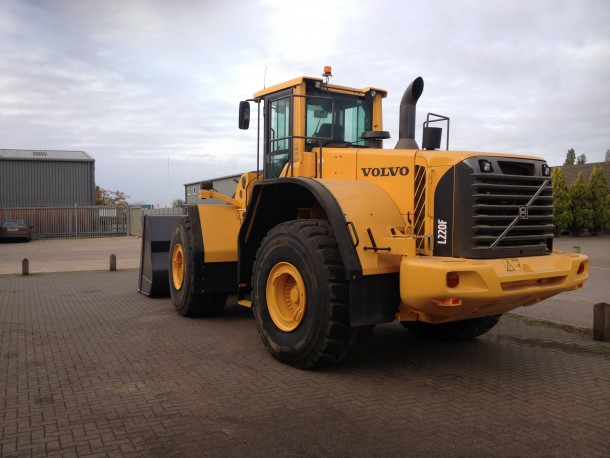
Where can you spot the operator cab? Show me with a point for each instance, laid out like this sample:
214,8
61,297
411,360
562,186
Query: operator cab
306,114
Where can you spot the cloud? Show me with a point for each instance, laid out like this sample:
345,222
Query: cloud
135,83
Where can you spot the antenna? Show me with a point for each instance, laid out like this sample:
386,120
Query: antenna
265,79
168,194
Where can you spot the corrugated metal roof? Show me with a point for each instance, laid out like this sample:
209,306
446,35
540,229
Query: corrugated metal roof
44,155
227,177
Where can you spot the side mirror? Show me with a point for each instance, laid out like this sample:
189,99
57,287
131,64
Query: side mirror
244,115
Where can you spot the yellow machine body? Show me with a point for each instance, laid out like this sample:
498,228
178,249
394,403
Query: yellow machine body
383,206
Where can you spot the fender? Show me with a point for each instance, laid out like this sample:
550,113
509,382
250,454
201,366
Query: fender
219,228
350,206
366,207
276,201
217,271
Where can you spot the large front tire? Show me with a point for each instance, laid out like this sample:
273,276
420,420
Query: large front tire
300,295
183,282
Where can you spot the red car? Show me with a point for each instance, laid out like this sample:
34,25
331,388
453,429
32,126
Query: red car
15,230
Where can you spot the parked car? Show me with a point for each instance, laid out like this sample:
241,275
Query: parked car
15,230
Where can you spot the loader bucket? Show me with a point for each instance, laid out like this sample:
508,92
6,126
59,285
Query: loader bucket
154,257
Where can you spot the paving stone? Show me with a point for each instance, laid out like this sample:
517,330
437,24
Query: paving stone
89,367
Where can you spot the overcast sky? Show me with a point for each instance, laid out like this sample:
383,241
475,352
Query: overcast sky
150,89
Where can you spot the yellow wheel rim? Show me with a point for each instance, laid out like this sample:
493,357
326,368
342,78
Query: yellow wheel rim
178,266
286,299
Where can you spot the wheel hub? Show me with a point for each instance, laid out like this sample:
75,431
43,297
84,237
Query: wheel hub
286,298
178,266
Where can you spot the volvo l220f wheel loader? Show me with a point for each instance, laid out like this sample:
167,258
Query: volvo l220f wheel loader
336,234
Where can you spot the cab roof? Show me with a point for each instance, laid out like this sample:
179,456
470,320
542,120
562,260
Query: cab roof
332,87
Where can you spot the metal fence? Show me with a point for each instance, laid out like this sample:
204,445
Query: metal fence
83,221
136,217
50,222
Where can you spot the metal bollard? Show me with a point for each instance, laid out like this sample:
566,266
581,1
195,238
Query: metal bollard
601,322
112,263
25,267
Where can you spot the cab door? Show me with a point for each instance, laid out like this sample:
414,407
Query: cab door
278,133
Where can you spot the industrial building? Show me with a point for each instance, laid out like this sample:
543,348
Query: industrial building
46,178
570,172
225,185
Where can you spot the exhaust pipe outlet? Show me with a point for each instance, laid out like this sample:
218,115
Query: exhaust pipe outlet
406,127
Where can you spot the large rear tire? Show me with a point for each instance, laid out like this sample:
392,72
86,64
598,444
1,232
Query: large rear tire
454,330
300,296
183,282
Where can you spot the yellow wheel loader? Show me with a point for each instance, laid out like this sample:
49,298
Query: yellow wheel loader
334,234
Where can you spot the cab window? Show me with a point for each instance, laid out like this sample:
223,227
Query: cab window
279,132
338,119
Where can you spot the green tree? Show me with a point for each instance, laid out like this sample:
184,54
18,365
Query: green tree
582,159
561,201
580,200
106,198
607,158
570,157
607,224
598,191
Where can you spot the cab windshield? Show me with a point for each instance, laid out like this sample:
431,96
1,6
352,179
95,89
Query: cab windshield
337,119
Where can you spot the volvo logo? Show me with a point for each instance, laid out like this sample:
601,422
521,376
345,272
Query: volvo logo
385,171
522,212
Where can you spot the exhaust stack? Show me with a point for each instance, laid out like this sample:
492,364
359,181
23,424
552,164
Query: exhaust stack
406,126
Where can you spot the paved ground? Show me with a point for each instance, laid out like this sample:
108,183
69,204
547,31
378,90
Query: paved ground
64,255
89,367
576,307
69,255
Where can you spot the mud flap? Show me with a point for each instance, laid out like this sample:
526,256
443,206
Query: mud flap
374,299
154,257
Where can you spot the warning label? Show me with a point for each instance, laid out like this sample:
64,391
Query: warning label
512,265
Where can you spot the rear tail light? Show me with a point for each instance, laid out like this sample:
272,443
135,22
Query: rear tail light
581,268
453,279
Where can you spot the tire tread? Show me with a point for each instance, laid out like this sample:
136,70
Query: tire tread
339,339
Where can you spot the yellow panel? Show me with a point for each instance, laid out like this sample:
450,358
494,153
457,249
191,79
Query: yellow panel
331,87
299,106
220,226
367,206
393,171
378,111
338,163
243,191
486,287
280,87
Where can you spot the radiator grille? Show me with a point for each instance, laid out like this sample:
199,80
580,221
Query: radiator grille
501,201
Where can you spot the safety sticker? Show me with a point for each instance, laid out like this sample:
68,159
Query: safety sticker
512,265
